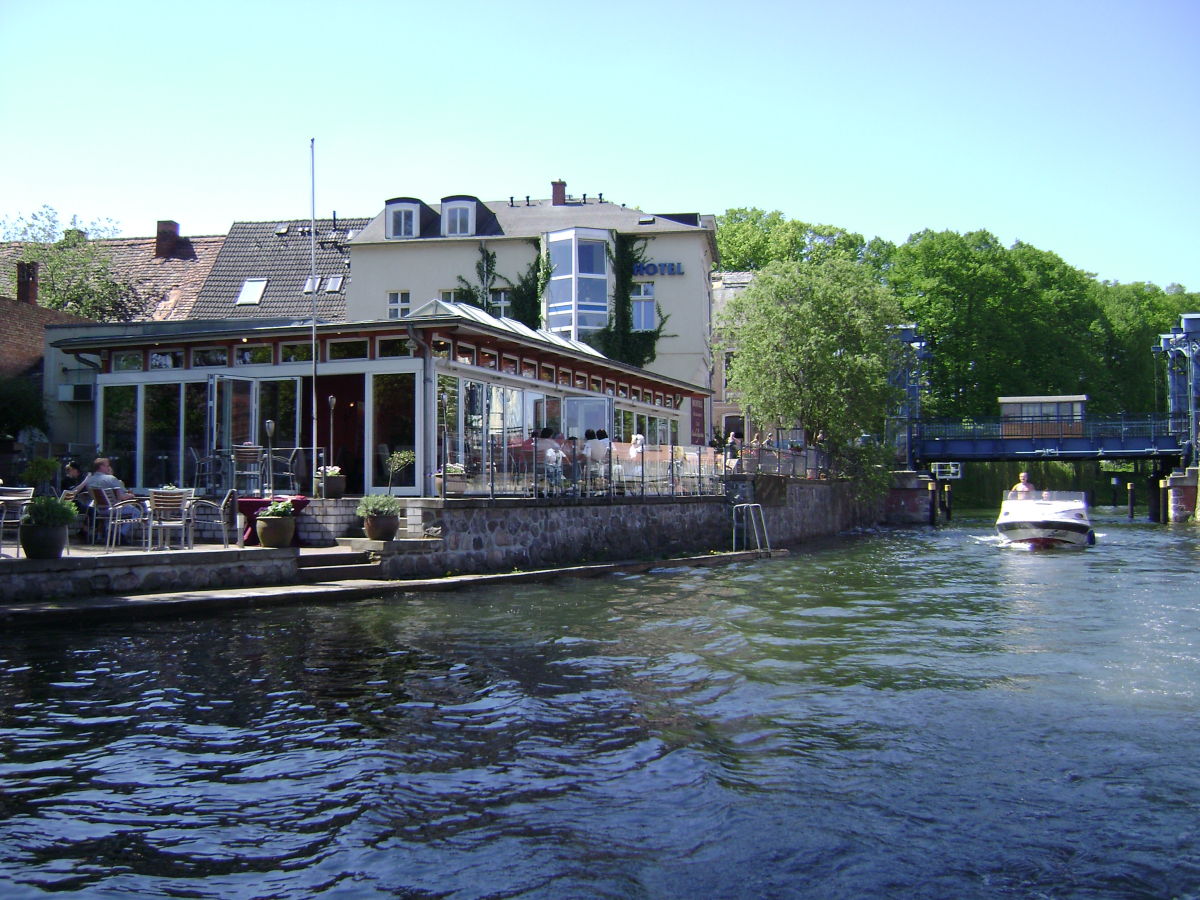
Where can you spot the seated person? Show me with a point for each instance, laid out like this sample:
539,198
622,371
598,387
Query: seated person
101,476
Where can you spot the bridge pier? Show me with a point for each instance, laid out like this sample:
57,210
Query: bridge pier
912,499
1181,495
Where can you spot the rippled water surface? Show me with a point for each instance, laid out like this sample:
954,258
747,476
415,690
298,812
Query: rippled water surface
906,714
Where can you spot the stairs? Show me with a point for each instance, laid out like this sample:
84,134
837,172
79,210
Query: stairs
339,566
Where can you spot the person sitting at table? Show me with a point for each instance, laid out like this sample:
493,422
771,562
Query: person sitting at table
101,477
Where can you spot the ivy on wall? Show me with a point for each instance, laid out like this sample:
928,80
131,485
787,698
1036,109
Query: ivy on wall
617,340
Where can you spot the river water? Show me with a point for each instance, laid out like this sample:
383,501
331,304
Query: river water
914,713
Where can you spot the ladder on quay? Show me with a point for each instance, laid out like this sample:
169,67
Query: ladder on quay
747,519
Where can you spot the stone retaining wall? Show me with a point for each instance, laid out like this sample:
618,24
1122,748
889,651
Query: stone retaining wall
480,535
130,573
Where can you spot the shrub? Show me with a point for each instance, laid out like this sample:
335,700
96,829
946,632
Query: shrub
278,509
378,505
49,511
40,470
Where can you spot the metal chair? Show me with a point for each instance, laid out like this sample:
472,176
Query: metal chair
12,507
170,510
225,512
117,514
248,465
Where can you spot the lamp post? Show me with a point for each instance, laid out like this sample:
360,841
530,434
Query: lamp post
329,458
269,425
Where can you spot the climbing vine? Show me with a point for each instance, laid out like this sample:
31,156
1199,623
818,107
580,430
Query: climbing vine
617,340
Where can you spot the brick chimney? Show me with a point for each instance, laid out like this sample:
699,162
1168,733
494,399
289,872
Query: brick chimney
558,193
27,282
168,238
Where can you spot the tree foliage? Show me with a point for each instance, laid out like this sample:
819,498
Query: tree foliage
750,239
479,292
525,296
813,343
617,339
999,321
75,274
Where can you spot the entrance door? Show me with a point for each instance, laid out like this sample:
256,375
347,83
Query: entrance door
231,412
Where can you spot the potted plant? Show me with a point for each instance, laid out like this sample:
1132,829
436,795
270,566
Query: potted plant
333,482
276,525
44,524
381,516
455,477
39,473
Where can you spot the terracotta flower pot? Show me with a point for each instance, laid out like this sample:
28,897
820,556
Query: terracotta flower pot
381,528
275,531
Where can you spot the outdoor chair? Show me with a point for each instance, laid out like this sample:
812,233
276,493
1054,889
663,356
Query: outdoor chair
12,507
115,514
248,466
170,510
224,513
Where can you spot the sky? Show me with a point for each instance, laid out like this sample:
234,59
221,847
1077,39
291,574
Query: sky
1071,125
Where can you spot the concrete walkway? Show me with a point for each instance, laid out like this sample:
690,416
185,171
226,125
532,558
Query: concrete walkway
182,603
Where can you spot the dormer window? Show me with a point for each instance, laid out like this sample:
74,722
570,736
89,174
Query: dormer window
458,219
403,220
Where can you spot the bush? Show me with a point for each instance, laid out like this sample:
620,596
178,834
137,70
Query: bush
378,505
39,470
278,509
49,511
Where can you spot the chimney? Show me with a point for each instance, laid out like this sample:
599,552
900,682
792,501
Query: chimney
27,282
168,238
558,193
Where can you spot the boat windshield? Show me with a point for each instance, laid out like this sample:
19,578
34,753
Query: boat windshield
1054,496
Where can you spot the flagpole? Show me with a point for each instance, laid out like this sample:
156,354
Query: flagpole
312,238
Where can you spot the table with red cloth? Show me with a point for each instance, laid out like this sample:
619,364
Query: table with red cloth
250,507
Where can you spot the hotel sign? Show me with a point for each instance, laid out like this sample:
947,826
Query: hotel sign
675,268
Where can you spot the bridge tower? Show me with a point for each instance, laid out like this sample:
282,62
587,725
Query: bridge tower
1181,348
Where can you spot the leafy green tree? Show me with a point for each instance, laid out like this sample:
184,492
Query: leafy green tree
617,339
525,296
813,343
75,274
750,239
999,321
479,292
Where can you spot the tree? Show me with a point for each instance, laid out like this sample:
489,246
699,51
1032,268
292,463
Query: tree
998,321
525,296
479,293
750,239
74,273
813,343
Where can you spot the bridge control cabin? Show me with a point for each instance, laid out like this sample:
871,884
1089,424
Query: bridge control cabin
1042,416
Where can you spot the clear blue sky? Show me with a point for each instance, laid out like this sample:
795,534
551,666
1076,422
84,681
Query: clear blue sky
1069,125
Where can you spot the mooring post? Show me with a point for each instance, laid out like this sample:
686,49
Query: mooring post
949,506
1164,502
1129,498
933,503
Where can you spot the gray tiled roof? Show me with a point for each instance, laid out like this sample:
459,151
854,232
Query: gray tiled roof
281,253
530,220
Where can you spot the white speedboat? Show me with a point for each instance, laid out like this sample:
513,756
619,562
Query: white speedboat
1042,519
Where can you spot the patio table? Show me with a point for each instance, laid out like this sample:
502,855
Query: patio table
250,507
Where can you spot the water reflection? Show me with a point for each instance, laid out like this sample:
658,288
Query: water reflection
905,713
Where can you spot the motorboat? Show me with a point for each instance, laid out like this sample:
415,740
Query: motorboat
1044,519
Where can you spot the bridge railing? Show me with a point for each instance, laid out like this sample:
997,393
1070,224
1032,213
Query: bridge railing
1047,427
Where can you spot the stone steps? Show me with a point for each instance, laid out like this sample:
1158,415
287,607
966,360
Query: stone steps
339,566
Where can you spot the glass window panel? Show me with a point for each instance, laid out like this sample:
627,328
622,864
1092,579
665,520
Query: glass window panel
593,290
295,353
118,438
393,347
347,349
210,356
258,355
560,259
166,359
127,361
251,292
161,435
591,258
394,425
